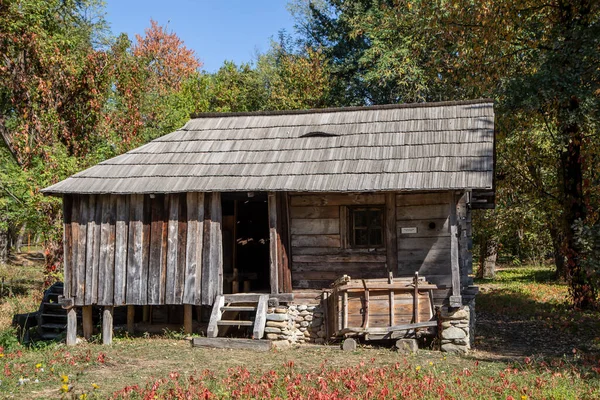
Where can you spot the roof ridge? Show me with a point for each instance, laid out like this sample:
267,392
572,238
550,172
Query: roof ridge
339,109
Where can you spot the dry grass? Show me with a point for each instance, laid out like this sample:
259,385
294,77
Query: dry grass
21,286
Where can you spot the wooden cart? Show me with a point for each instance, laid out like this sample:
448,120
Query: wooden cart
380,308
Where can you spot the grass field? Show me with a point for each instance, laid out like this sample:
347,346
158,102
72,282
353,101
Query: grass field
167,366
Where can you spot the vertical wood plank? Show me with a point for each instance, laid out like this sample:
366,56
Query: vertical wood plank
216,251
67,244
71,327
283,244
134,250
157,259
391,243
121,238
107,325
75,222
172,249
288,244
93,248
207,295
195,232
146,225
273,248
392,308
97,243
344,309
181,249
344,234
89,251
106,262
79,292
455,299
87,322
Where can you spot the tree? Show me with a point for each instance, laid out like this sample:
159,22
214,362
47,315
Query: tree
537,59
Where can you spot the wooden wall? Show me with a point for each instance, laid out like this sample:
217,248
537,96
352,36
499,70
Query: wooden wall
320,253
428,250
140,250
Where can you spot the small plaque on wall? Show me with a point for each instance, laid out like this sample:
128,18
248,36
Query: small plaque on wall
412,229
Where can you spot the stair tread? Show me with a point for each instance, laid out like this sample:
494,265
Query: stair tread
53,326
54,315
238,308
235,322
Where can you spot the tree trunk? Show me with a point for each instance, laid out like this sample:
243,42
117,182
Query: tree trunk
582,289
488,252
20,238
489,263
3,246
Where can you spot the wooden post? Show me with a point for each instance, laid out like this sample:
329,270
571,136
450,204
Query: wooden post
130,319
71,327
88,324
187,318
416,300
273,256
107,325
145,313
391,244
455,298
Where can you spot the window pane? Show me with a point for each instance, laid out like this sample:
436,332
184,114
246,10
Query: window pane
375,237
375,218
360,219
361,237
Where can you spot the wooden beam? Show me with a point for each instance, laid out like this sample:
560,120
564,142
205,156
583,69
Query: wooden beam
130,319
213,329
227,343
187,319
107,325
71,327
391,243
273,256
88,323
455,298
261,317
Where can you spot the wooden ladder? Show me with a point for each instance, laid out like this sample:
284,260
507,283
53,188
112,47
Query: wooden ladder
248,303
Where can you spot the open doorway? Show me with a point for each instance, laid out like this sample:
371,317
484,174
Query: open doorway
246,242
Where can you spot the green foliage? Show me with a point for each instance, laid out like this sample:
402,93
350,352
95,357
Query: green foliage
8,340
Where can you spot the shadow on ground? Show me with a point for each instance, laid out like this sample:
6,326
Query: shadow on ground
512,325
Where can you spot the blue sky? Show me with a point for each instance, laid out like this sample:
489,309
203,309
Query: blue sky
217,30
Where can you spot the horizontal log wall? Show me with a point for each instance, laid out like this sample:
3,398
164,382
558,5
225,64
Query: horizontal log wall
428,250
140,250
320,253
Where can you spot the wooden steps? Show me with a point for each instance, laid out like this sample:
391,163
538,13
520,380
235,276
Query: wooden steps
52,318
243,309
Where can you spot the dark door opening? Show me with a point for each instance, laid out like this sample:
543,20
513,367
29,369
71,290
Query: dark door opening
246,242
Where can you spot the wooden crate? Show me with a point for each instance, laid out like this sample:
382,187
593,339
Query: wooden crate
376,305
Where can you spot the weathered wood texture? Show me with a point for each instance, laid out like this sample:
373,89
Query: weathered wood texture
382,306
424,246
319,246
141,249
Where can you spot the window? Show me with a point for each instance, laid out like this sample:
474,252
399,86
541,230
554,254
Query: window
366,226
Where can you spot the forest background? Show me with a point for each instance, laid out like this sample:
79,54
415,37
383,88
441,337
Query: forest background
73,94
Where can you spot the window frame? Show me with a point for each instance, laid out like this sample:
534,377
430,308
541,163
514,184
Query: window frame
351,230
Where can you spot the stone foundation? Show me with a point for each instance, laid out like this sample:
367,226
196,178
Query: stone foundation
458,325
296,323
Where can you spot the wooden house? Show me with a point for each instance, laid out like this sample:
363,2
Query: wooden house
280,204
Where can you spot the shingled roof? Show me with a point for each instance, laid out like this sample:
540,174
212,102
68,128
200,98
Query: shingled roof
428,146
